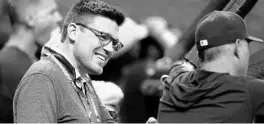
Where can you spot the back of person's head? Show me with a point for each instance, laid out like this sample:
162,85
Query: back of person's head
223,34
23,9
84,11
4,10
40,16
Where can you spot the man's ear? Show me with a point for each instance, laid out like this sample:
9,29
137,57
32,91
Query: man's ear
30,21
72,32
237,48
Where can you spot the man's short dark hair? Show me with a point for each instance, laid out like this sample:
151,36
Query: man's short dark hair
209,55
90,8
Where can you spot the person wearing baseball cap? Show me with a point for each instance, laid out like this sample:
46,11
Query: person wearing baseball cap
219,90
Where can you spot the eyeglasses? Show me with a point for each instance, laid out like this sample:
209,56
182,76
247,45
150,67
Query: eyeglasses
104,38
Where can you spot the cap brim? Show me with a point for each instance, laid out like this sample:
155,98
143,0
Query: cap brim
251,38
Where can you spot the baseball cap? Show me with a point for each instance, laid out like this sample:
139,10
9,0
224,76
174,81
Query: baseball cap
219,28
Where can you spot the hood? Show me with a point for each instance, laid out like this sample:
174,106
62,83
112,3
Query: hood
187,89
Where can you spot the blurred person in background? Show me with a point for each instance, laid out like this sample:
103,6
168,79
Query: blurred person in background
256,65
32,22
219,90
5,25
256,70
162,31
133,107
140,100
110,94
5,97
58,87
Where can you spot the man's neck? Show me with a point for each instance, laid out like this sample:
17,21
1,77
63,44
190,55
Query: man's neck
67,52
218,66
24,40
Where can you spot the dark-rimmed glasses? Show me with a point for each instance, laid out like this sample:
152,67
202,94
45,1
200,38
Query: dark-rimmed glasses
104,38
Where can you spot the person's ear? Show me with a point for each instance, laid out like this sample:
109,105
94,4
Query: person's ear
237,50
30,21
72,32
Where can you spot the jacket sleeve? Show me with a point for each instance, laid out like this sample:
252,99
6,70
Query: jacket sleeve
35,101
177,72
177,69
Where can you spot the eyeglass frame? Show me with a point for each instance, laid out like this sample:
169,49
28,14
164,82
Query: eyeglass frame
117,45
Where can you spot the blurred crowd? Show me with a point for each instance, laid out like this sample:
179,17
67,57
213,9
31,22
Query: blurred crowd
131,83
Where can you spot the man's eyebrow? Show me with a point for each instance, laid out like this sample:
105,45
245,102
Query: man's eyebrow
105,33
115,38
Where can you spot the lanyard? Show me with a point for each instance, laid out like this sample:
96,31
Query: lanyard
87,86
85,94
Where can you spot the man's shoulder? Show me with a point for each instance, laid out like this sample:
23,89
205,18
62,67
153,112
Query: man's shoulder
246,79
250,82
243,80
254,82
44,66
44,69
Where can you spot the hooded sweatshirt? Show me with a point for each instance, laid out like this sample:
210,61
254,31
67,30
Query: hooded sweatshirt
198,96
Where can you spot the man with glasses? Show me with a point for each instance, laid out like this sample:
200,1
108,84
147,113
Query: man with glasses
58,87
219,90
